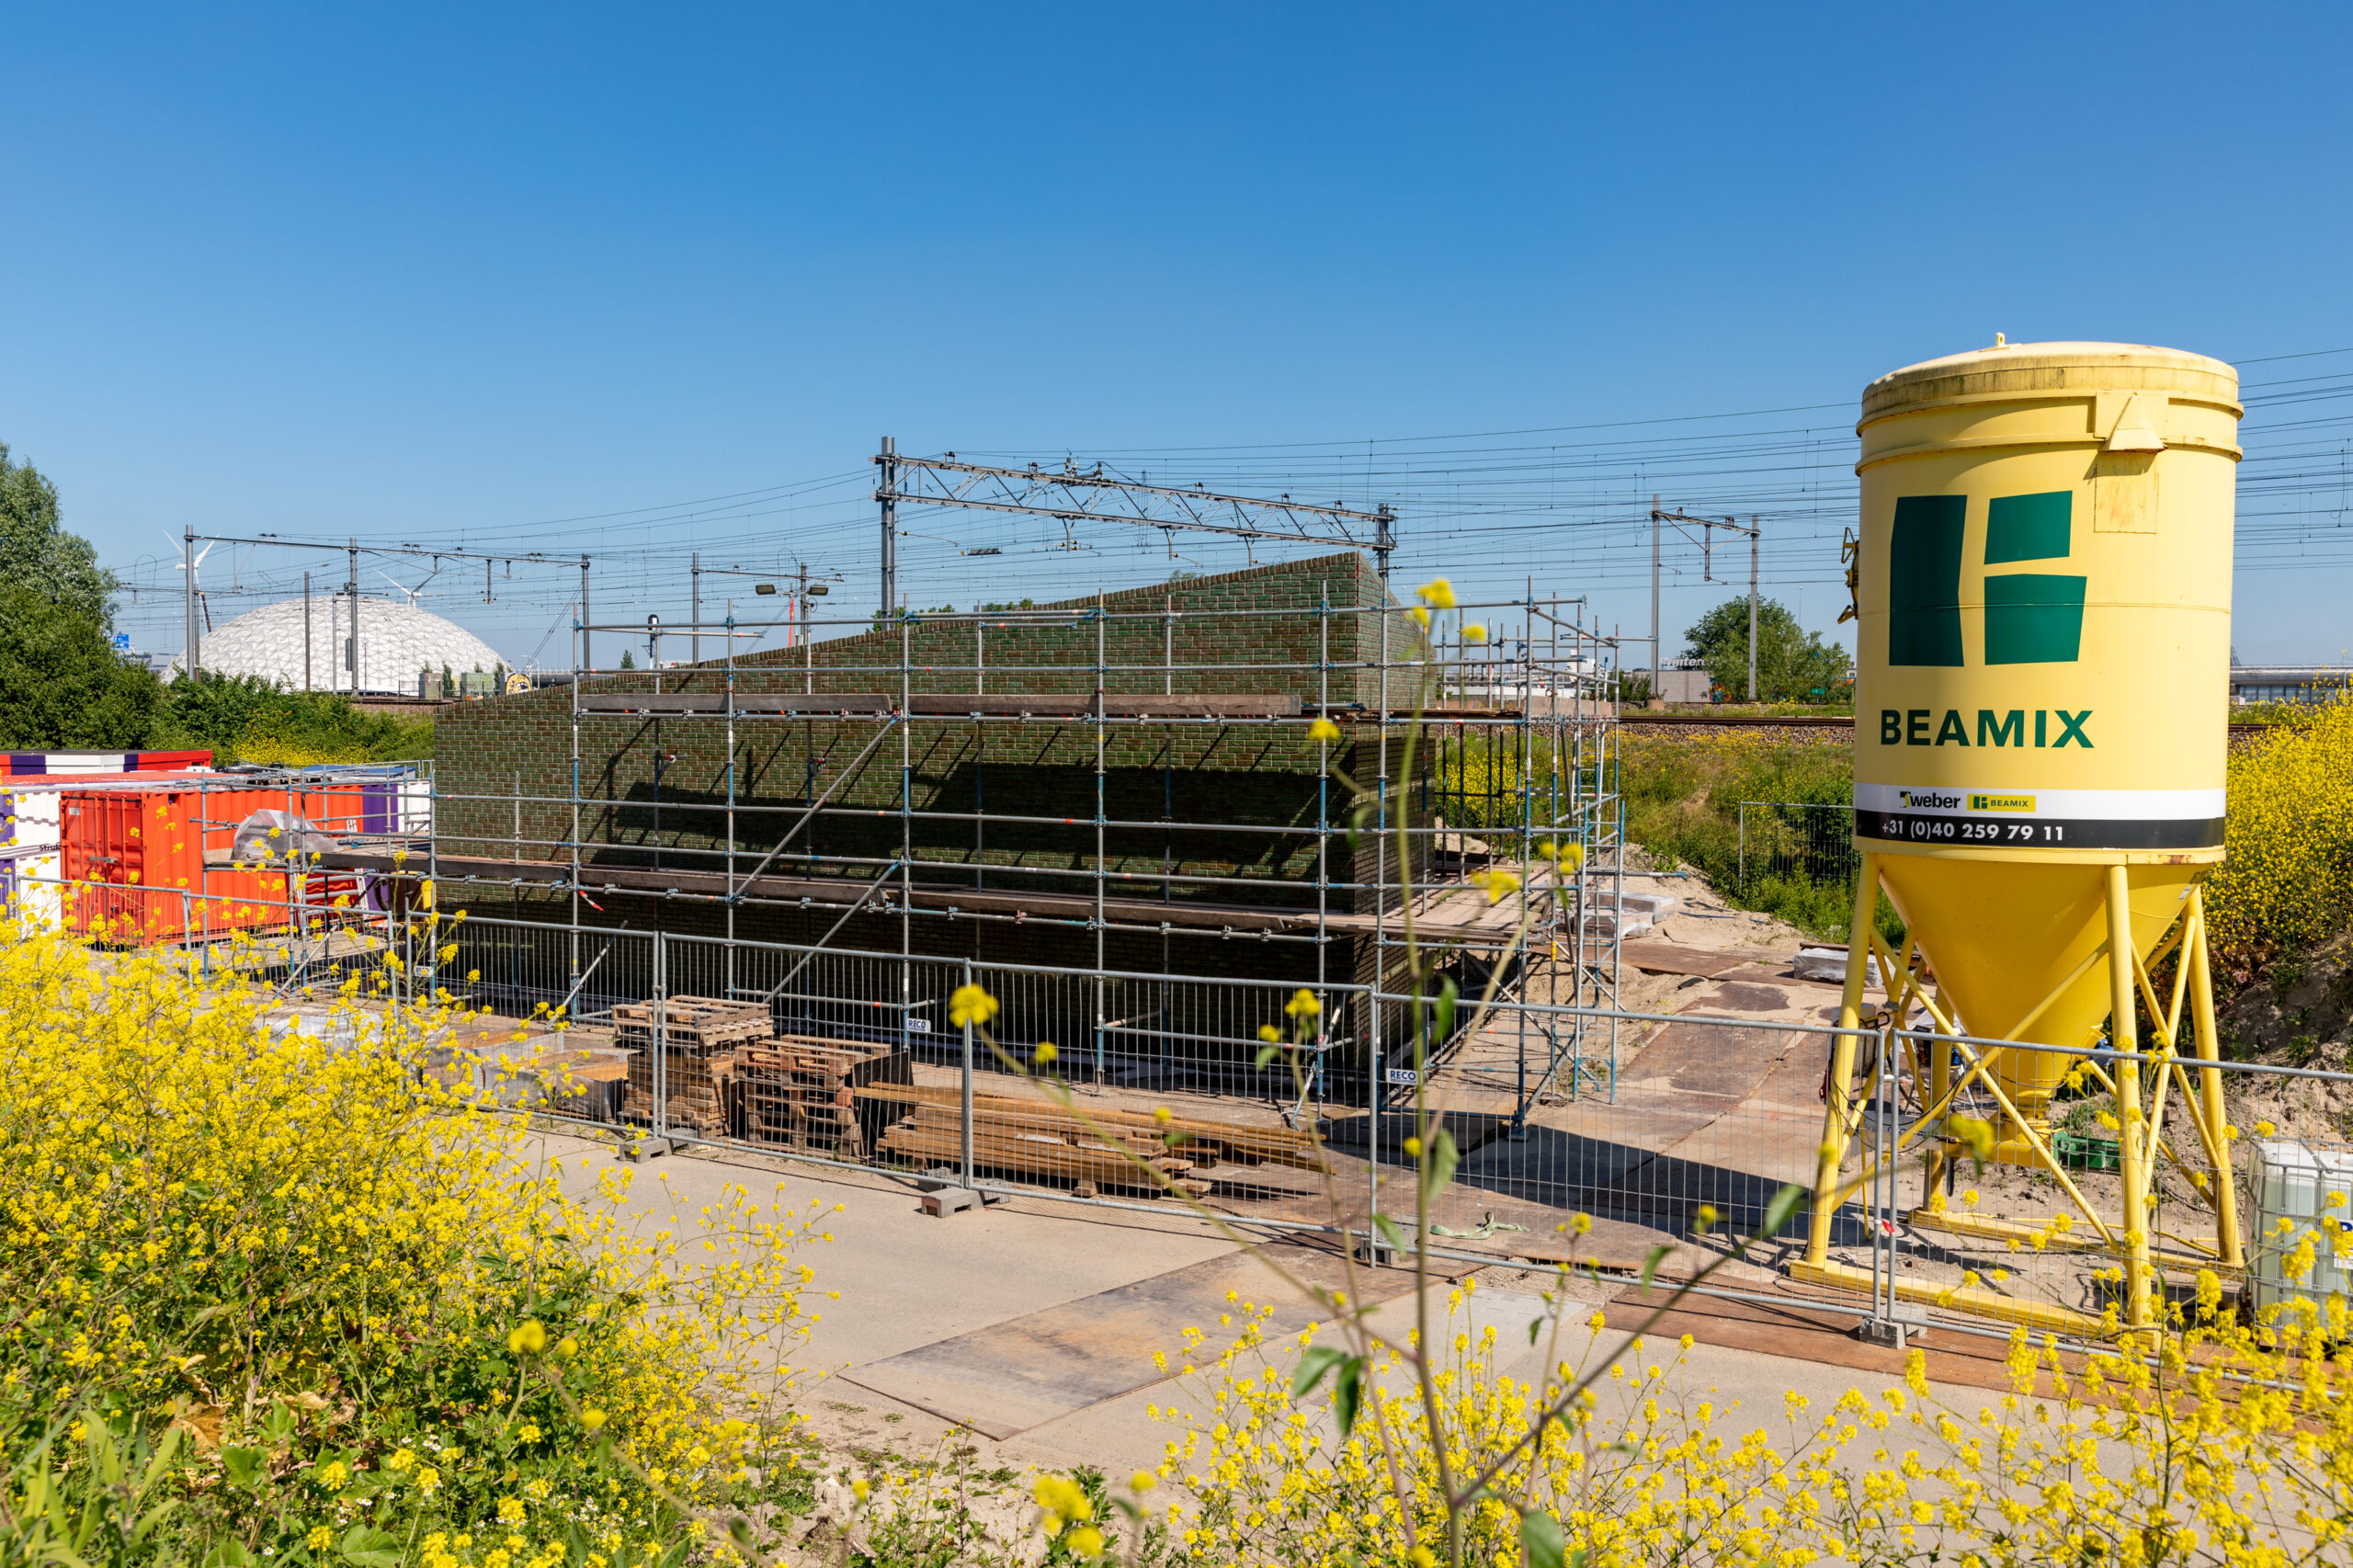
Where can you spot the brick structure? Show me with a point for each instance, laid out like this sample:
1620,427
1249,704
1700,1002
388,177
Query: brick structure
1235,795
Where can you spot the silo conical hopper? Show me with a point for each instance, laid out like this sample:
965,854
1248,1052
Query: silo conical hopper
2043,588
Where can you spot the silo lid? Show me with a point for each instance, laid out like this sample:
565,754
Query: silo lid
2028,368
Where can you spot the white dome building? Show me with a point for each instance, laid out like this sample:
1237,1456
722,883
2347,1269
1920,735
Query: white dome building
397,642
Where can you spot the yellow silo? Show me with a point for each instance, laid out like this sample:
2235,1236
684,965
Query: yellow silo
2043,588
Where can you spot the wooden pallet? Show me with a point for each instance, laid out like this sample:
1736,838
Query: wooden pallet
696,1088
590,1081
693,1023
803,1091
700,1037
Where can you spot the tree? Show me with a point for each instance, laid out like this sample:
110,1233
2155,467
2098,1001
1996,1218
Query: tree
36,552
1792,664
62,684
628,660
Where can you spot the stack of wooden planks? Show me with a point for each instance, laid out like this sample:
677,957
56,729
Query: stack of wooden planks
697,1054
802,1090
1029,1135
574,1071
588,1079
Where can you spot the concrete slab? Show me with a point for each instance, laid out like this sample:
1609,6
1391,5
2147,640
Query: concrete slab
1024,1372
1023,1335
1772,1146
1704,1066
906,1279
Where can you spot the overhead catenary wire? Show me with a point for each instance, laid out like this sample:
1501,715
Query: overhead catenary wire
1570,500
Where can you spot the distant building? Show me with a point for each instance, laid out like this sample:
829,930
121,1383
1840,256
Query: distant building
2286,683
397,644
1686,680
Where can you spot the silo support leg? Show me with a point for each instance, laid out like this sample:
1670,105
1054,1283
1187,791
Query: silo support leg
1838,1100
2228,1247
2132,1135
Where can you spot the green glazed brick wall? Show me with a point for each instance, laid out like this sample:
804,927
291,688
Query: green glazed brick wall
653,791
1329,606
861,961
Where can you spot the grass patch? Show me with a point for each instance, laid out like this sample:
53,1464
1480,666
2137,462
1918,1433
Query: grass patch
1683,802
1683,795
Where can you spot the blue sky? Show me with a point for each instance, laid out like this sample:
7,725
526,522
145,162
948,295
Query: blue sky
472,275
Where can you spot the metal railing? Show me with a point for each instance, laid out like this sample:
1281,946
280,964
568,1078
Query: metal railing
1797,841
850,1058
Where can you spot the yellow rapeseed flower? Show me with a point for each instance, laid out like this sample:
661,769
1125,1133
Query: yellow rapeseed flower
1975,1134
1323,730
1499,883
970,1005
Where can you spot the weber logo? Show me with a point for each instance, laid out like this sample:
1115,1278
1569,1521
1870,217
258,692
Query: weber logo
1928,800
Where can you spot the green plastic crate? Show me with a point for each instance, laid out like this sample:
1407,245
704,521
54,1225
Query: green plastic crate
2082,1152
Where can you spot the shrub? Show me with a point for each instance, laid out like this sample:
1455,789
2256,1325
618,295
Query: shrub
2288,881
247,719
2219,1444
341,1294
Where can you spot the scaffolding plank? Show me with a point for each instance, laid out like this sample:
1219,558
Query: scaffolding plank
713,704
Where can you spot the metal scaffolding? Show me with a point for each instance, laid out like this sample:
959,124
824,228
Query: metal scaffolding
1512,736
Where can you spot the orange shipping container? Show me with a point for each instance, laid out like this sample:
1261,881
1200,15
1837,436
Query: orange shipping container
138,855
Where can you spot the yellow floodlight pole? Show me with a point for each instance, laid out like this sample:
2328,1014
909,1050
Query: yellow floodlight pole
1842,1061
2132,1134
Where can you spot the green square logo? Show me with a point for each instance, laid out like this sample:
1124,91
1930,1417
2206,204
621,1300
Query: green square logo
1923,580
2031,617
2027,527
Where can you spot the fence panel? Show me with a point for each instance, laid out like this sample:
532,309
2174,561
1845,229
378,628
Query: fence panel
1797,841
853,1057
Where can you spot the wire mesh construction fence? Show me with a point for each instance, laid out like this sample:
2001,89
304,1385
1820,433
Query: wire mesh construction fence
1803,842
1118,1089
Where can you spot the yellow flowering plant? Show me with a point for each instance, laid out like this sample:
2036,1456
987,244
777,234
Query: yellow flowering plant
2230,1442
336,1287
2286,882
